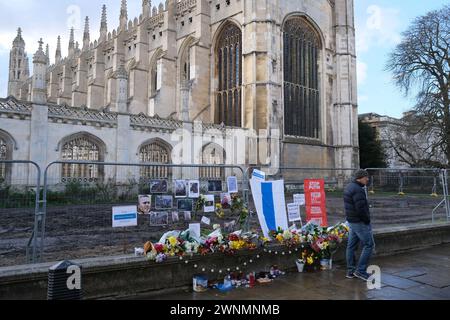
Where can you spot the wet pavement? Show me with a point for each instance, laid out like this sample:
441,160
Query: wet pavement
417,275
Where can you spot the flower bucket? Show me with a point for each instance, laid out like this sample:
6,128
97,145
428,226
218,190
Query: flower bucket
326,264
300,265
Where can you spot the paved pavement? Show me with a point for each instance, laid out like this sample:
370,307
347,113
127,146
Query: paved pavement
418,275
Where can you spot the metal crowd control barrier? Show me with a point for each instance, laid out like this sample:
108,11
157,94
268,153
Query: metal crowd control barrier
77,211
19,211
445,201
418,188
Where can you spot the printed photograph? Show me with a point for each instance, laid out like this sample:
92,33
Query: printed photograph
163,202
180,187
159,218
159,186
145,204
185,204
187,216
232,185
214,186
225,200
175,216
194,189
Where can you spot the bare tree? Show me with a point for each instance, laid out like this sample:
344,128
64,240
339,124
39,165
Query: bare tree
413,143
421,61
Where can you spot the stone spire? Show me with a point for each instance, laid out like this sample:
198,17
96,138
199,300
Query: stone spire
103,25
86,36
18,41
18,65
38,94
58,51
146,5
72,43
123,15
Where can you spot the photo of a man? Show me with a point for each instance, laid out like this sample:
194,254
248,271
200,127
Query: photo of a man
145,204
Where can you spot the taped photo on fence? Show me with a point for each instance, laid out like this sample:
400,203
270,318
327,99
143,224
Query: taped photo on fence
175,217
232,185
187,216
159,218
181,187
159,186
194,189
144,204
225,200
163,202
209,204
214,186
185,204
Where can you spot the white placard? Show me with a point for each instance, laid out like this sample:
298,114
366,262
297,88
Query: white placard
232,185
299,199
124,217
259,175
209,204
194,230
294,212
206,220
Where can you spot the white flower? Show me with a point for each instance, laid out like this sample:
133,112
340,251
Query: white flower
216,226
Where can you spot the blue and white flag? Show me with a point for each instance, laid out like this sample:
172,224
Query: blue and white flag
270,204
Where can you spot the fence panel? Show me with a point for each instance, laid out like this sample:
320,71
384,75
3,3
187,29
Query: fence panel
80,197
401,197
19,207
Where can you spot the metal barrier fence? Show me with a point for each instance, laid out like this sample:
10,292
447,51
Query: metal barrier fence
80,196
74,217
19,211
407,196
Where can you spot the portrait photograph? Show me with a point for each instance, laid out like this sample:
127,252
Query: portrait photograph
144,204
185,204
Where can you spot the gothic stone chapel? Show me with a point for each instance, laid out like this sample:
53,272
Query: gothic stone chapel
231,66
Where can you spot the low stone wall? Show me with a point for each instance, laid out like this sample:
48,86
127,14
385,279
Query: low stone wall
122,276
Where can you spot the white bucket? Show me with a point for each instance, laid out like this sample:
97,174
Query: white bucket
300,265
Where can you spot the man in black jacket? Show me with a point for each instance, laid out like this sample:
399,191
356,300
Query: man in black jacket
358,217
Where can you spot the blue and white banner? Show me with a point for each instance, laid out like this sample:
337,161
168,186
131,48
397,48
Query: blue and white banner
270,204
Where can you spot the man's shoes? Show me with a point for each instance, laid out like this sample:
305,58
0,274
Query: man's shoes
362,276
350,275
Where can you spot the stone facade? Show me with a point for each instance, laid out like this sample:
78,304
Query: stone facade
131,85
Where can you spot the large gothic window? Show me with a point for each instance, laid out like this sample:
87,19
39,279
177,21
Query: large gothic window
81,148
301,79
213,154
3,156
229,75
155,152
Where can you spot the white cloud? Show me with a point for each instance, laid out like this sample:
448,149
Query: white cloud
362,72
381,28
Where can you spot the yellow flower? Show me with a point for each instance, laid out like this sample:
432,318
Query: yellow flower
173,241
280,238
310,260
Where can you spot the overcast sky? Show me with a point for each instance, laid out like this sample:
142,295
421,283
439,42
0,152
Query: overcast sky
379,26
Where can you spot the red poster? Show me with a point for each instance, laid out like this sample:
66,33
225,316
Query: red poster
316,208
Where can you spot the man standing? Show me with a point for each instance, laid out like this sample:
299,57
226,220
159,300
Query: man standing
358,217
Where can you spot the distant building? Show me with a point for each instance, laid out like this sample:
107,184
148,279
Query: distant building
404,147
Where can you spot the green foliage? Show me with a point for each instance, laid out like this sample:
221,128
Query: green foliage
371,152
